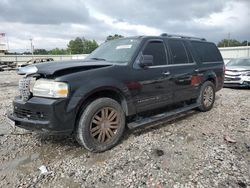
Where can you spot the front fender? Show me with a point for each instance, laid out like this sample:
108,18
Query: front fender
90,87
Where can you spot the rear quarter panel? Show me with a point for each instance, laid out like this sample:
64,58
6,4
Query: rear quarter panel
210,70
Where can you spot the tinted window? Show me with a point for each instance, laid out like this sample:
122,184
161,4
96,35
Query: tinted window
207,52
179,52
157,50
190,57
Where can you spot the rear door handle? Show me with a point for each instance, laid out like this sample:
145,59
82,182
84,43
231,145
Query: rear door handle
166,73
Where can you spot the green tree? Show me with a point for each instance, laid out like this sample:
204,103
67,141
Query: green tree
82,46
112,37
89,46
40,52
76,46
245,43
229,43
26,53
58,51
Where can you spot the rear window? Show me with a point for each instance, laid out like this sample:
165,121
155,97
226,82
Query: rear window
207,52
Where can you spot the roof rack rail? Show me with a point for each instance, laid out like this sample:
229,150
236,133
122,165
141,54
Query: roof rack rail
182,36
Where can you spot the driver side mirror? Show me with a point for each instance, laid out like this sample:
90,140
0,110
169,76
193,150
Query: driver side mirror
146,61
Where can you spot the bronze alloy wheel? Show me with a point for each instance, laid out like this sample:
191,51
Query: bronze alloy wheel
208,96
104,124
101,125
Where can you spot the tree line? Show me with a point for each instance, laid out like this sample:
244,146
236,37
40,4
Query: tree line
76,46
232,43
84,46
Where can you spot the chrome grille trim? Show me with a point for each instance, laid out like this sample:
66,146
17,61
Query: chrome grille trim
24,88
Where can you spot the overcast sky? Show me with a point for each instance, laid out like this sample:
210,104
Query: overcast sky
52,23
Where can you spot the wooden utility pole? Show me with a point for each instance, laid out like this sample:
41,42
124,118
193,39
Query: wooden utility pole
228,40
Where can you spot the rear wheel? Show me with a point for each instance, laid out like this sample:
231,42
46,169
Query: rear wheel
101,125
207,96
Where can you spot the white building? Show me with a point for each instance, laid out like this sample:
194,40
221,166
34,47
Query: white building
229,53
3,49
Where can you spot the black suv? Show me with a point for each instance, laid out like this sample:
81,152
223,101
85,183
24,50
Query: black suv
124,81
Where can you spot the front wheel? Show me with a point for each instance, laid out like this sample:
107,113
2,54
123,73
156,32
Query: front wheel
101,125
207,96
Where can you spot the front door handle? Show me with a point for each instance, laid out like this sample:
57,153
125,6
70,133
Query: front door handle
197,70
166,73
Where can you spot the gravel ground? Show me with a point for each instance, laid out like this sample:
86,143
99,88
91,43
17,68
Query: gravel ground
209,149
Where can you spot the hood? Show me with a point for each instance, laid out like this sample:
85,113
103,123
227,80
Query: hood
63,67
238,68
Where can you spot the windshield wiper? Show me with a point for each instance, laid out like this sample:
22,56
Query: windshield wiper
98,59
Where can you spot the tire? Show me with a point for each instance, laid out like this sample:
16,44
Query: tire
101,125
207,96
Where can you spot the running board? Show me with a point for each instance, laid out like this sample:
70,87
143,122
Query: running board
160,117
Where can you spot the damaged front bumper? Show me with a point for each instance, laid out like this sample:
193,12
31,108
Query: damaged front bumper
42,114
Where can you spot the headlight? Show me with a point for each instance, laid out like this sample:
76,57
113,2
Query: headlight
50,88
246,74
31,69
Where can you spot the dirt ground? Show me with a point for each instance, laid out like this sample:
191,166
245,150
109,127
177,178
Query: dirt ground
209,149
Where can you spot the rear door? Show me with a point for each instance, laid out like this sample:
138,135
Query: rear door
183,70
155,86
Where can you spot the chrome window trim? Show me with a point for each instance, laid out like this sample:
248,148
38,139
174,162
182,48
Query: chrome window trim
212,62
173,65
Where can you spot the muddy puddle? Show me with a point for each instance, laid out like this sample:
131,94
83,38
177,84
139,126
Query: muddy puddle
50,153
18,163
8,84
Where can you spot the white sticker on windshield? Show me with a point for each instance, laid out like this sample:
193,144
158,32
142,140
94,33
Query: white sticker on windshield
124,46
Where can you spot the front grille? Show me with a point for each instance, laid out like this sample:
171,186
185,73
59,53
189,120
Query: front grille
32,115
228,74
232,79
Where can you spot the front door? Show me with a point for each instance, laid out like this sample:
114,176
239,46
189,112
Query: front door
155,88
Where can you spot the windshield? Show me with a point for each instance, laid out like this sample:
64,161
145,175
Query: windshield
120,50
239,62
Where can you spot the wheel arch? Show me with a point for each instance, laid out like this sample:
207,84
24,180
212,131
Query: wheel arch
211,76
109,92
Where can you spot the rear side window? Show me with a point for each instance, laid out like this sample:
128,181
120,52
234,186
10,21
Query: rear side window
157,50
180,54
207,52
